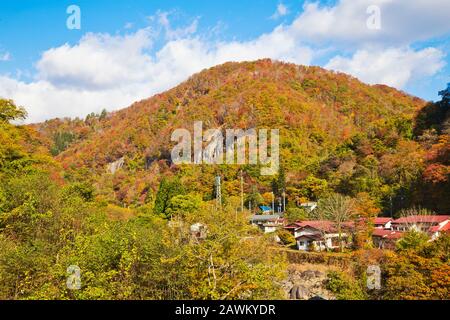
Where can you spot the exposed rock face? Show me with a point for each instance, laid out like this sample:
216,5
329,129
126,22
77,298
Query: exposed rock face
305,285
116,165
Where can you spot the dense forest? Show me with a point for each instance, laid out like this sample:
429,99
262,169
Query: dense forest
101,193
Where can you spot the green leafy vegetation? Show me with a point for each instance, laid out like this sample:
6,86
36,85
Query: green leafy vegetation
48,225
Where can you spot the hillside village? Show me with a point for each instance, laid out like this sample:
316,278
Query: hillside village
322,235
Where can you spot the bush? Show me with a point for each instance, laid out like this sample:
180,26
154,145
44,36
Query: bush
412,240
344,287
286,237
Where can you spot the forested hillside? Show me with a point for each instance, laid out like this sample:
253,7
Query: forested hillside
337,134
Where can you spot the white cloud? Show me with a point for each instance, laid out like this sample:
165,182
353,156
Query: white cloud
104,71
5,56
98,61
402,21
43,100
162,18
281,11
394,67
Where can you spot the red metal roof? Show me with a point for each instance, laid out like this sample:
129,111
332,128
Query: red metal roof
445,228
382,220
381,232
422,219
387,234
322,225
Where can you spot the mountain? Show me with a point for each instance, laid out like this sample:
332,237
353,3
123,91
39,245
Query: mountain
336,134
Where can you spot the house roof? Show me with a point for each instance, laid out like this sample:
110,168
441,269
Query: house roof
382,220
387,234
312,237
294,225
444,228
321,225
265,217
422,219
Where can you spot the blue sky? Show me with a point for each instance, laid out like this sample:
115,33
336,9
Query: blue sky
127,50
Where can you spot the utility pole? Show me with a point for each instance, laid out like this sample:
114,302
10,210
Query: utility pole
218,192
273,203
242,192
390,203
284,201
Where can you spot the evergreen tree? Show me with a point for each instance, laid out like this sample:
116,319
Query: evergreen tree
279,184
445,94
168,188
103,114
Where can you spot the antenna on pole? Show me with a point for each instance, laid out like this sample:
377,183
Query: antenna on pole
218,191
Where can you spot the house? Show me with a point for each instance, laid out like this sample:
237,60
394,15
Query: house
318,235
386,239
382,223
387,231
434,225
268,223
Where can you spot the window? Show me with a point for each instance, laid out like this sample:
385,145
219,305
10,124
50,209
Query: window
301,243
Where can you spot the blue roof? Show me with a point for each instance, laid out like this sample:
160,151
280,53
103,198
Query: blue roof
265,208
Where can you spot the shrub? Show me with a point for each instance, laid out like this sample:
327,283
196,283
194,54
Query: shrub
344,287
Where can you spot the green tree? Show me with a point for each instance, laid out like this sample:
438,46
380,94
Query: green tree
168,188
61,141
254,199
103,114
412,240
295,214
445,94
279,184
82,189
313,188
286,237
9,111
183,204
